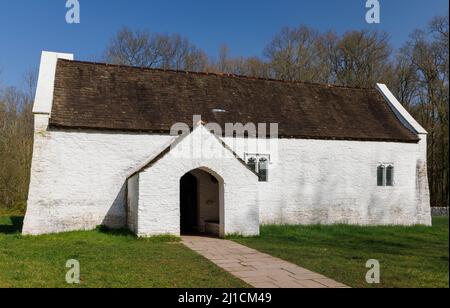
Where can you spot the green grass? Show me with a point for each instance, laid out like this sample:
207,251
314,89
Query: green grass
409,256
107,259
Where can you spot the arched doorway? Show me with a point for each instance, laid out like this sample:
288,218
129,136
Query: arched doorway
201,201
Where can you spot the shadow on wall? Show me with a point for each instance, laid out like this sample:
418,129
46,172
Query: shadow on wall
116,217
15,226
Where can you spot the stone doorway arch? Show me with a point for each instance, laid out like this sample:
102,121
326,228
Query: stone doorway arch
202,203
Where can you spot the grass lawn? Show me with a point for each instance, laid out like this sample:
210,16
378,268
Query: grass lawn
107,259
409,256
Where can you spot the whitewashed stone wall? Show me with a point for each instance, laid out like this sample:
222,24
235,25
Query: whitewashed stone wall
78,177
78,181
331,182
159,193
133,203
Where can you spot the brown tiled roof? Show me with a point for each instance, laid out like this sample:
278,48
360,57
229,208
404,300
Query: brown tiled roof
109,97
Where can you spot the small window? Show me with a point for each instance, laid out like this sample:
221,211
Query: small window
263,170
385,175
259,163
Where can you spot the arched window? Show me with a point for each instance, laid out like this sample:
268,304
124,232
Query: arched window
263,167
390,176
385,175
252,163
380,175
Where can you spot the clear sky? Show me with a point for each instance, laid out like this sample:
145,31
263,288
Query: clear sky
29,26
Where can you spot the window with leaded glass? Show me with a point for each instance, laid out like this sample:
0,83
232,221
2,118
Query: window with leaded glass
259,163
263,169
385,175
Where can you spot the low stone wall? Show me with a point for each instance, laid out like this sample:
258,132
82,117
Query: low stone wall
439,211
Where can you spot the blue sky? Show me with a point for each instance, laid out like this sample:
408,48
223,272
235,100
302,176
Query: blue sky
28,26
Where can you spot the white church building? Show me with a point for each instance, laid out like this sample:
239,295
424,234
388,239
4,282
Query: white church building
174,152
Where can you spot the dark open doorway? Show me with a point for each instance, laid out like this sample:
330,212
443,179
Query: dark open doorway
189,204
201,203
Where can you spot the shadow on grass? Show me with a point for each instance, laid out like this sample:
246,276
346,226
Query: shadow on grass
128,233
115,232
14,227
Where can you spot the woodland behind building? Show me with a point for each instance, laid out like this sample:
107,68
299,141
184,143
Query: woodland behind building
418,73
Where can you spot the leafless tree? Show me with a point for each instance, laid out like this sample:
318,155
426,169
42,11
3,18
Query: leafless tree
154,50
403,81
296,54
359,58
253,66
425,58
16,142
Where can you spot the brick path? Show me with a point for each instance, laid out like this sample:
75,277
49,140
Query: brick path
255,268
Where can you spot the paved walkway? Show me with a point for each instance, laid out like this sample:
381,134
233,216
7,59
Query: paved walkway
255,268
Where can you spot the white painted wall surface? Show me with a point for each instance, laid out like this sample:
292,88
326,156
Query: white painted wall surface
46,80
78,178
133,203
330,182
78,181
